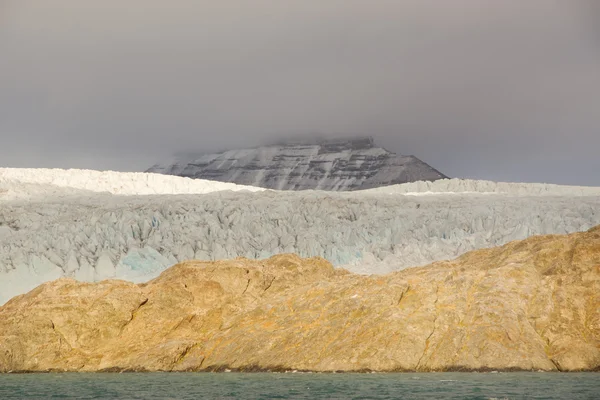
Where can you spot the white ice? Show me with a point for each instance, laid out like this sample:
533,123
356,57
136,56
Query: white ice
57,223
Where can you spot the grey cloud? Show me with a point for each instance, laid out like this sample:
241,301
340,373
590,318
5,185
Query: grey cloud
505,90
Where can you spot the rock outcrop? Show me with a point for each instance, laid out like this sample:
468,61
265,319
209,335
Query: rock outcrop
529,305
336,165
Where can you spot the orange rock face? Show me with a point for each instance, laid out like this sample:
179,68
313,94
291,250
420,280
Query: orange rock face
531,305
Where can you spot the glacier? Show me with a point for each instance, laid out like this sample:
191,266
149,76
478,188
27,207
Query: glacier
16,181
93,225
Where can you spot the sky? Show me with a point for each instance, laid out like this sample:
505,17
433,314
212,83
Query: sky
506,90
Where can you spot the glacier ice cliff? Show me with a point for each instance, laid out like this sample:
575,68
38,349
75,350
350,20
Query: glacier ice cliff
85,232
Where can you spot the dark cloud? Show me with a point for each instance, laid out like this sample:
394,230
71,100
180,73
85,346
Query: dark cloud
505,90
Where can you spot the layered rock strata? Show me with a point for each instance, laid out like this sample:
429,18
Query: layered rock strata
529,305
319,164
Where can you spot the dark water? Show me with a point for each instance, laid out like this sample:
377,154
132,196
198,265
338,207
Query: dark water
302,386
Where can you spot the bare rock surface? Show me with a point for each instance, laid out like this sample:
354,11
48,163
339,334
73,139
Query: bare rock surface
319,164
529,305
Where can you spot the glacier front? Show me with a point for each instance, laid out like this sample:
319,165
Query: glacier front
57,223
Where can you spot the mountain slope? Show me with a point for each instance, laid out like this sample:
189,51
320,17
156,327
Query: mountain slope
333,165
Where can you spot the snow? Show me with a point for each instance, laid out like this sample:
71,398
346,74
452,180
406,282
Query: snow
470,186
120,183
93,225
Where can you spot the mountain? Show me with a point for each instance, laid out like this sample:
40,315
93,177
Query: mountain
320,164
529,305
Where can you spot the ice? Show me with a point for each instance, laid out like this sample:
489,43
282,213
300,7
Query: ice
121,183
82,231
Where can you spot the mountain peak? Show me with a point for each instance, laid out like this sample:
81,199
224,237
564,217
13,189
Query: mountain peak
304,163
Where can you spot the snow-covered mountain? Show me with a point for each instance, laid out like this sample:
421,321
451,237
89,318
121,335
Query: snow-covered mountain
94,225
334,165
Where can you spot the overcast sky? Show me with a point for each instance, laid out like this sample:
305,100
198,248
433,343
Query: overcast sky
498,89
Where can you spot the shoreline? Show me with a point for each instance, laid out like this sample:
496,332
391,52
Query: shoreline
281,370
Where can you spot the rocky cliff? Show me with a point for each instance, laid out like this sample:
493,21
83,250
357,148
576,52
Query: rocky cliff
299,165
529,305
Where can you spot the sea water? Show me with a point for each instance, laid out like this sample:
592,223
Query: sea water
301,386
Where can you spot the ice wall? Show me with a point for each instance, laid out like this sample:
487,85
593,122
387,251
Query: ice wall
97,236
